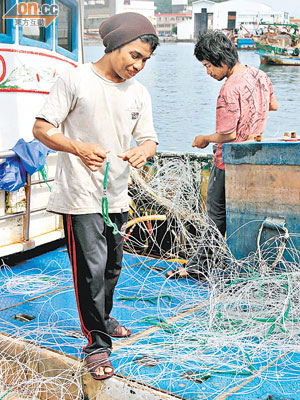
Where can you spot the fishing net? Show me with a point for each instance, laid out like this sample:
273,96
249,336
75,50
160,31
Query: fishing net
231,327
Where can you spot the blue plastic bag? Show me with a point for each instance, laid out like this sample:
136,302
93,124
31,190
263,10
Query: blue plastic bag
31,157
32,154
12,174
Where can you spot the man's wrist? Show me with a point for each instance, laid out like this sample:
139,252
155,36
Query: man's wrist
148,148
209,139
75,147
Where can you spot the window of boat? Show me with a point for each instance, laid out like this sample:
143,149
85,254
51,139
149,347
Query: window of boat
33,31
6,25
66,29
3,21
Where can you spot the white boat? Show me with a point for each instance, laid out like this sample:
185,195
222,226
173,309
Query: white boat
31,57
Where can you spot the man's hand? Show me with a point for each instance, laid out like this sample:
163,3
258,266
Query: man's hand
200,141
91,154
136,156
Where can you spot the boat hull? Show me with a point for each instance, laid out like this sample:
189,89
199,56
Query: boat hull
273,59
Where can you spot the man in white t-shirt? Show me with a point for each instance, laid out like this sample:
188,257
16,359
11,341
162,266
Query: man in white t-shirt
100,108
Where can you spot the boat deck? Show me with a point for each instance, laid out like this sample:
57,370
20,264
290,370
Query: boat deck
38,308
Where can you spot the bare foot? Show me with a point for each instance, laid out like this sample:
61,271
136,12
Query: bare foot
180,271
99,365
101,371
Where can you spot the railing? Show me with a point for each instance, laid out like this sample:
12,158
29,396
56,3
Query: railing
27,243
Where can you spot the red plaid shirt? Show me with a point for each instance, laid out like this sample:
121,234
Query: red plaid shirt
243,105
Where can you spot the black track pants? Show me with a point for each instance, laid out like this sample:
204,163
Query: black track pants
96,259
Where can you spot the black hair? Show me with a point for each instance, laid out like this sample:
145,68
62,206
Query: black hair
216,48
151,39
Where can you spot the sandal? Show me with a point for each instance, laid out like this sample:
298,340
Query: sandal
96,361
119,333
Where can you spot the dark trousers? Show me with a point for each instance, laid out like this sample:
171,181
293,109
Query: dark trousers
96,259
215,200
216,209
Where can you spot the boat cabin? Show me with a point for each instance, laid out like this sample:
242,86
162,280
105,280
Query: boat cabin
38,41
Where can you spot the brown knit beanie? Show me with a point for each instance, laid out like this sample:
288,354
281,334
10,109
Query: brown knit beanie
124,28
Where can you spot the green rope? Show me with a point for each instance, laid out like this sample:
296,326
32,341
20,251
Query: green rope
284,317
207,375
273,320
153,320
251,367
43,174
162,323
199,377
219,314
271,330
210,371
239,280
265,319
5,394
105,214
151,300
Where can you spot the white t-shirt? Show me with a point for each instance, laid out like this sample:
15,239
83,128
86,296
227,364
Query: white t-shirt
96,110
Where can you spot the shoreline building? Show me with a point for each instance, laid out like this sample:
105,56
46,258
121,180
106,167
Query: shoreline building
166,23
144,7
228,15
96,11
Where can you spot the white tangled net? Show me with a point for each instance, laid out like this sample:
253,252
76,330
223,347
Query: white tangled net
231,323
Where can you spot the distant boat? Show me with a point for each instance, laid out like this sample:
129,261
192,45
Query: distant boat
245,39
278,59
279,47
245,43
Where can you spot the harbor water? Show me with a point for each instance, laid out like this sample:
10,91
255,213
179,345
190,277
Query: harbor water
184,96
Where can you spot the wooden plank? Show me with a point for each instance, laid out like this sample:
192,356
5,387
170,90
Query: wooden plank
50,375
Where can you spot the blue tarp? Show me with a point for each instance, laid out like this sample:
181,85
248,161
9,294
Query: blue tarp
30,157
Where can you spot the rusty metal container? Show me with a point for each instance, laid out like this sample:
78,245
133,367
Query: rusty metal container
262,194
